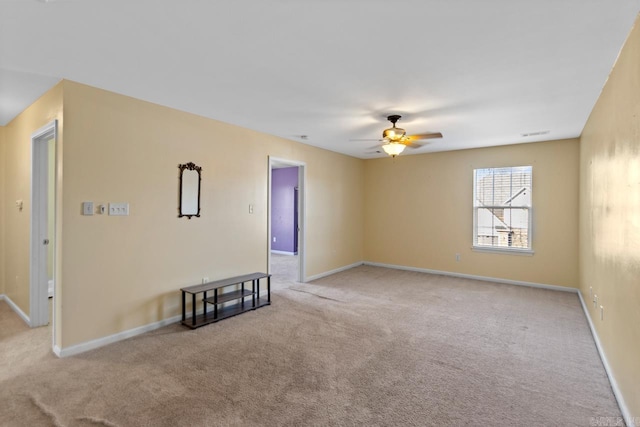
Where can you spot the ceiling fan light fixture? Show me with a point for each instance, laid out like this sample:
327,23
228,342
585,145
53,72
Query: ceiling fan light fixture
393,148
393,133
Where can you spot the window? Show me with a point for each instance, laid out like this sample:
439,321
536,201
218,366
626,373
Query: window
502,208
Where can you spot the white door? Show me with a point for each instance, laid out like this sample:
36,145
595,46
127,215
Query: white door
40,233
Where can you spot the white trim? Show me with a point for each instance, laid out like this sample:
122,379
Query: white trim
503,250
302,221
101,342
17,309
273,251
628,419
474,277
337,270
49,127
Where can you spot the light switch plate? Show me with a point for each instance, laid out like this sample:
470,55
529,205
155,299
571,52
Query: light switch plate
118,209
87,208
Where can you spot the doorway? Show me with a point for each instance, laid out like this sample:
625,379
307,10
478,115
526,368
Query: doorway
286,220
42,243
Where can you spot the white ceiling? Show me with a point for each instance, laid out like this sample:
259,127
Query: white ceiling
480,72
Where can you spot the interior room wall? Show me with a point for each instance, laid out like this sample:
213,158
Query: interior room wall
419,212
121,272
17,184
610,219
283,184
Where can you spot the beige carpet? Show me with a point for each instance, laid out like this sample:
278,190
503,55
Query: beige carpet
369,346
284,268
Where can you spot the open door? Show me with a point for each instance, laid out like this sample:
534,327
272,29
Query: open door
286,219
42,253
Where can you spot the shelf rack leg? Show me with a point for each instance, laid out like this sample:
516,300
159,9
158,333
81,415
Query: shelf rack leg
269,289
184,306
204,304
215,303
253,293
242,299
193,309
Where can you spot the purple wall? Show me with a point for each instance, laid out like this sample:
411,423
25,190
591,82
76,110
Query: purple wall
283,221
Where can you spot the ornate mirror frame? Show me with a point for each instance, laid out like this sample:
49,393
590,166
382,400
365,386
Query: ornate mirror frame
189,197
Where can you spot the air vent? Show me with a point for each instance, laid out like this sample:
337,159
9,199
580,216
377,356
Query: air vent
542,132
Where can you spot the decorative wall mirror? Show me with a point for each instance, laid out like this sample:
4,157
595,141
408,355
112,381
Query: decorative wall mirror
189,200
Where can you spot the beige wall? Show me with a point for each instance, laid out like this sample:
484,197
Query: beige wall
2,207
610,218
419,212
17,177
122,272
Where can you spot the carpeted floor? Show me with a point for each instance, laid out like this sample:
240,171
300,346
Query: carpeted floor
368,346
284,268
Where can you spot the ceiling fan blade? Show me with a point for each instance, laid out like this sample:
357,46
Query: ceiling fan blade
420,136
369,139
414,145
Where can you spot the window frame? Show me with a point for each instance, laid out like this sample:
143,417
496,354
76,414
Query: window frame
475,207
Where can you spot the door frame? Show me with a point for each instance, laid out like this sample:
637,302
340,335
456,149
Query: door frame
302,218
38,277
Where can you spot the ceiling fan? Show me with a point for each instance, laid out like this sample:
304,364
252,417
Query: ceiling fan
396,139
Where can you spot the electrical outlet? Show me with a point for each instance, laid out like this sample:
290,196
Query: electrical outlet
274,240
205,280
601,313
250,209
595,301
457,257
121,209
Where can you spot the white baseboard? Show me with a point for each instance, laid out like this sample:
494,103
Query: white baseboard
17,309
474,277
100,342
273,251
628,419
337,270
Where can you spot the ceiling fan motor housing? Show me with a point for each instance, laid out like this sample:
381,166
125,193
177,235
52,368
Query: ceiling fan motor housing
394,118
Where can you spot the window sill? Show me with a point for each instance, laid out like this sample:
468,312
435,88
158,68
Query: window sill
504,251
